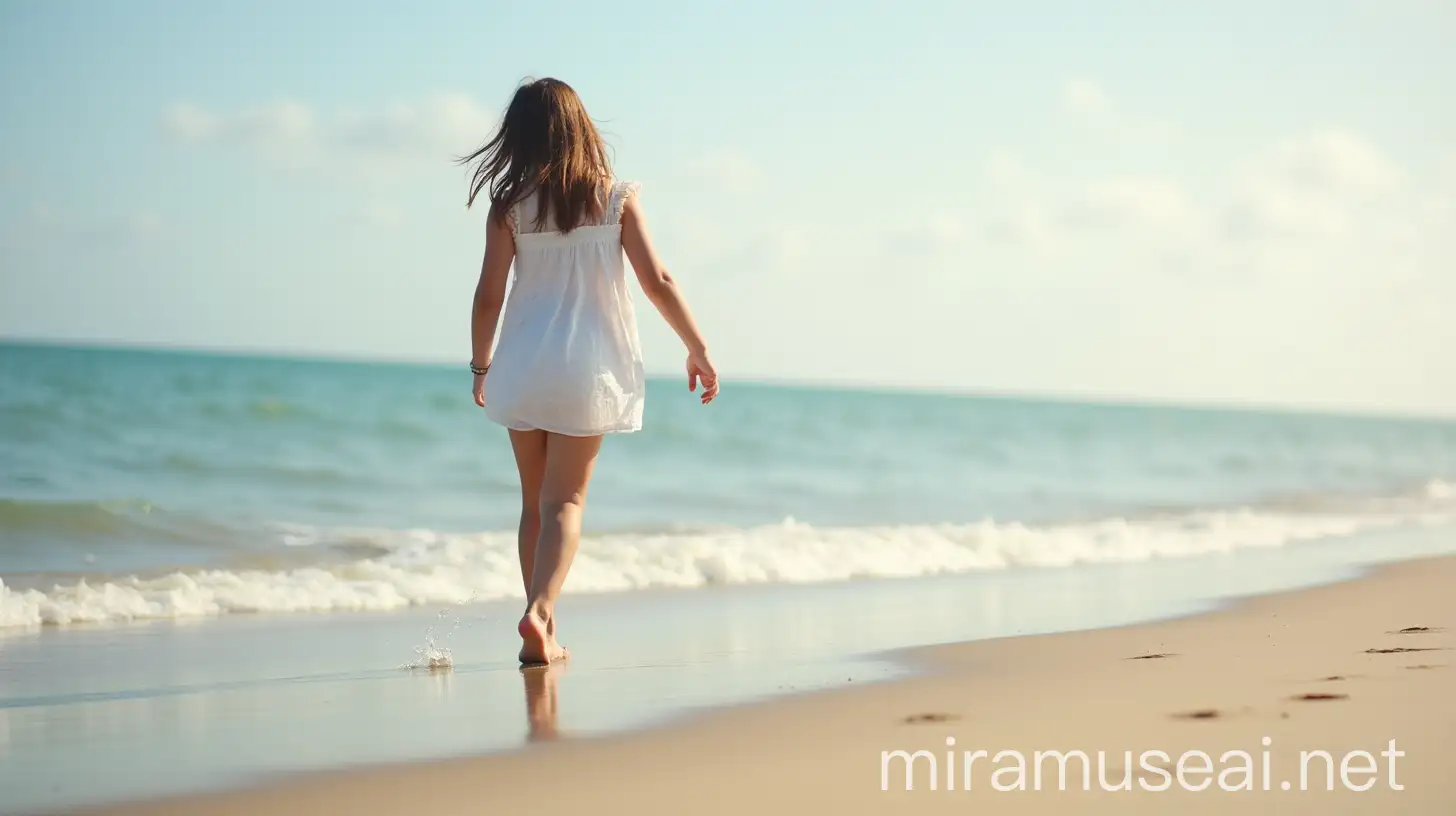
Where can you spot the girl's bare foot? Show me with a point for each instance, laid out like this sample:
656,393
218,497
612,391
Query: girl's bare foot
537,644
551,638
560,652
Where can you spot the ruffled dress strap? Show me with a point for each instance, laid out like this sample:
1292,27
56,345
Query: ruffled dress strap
621,191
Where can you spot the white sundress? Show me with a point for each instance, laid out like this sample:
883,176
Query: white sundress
568,358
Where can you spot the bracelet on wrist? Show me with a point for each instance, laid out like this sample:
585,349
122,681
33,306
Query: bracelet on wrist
479,370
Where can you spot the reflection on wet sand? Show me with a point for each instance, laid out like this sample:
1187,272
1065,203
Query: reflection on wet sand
541,700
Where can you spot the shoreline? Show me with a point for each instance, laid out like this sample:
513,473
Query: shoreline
1222,679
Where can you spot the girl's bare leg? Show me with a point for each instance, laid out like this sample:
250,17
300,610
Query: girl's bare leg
569,463
530,450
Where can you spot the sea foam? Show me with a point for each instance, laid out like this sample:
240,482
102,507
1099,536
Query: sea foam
424,567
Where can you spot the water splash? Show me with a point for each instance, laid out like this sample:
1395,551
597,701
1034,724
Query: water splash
436,655
432,656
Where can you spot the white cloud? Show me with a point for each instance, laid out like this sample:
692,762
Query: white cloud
1087,101
437,128
1026,225
1336,161
1087,97
727,171
280,125
1038,214
933,235
943,229
1262,209
1318,185
1138,203
1438,210
1021,218
1007,172
1327,205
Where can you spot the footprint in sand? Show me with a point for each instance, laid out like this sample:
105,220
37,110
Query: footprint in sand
1417,630
1404,649
916,719
1153,656
1199,714
1427,666
1320,695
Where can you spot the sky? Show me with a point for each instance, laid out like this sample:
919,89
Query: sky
1213,202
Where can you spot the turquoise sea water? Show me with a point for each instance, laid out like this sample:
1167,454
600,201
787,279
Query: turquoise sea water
147,484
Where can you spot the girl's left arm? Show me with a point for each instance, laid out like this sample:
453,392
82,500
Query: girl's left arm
490,295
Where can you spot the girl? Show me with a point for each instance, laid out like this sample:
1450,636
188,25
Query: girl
568,366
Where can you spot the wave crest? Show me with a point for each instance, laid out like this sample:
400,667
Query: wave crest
426,567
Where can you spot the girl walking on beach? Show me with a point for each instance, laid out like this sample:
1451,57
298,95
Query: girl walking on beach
567,368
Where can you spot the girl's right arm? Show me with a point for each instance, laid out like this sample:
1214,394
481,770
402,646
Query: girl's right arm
667,296
490,296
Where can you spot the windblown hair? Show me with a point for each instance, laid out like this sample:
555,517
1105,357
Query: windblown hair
547,145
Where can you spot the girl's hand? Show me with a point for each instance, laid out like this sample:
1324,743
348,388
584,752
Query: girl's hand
700,368
480,390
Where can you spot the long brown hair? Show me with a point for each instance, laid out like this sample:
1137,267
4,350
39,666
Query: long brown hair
546,143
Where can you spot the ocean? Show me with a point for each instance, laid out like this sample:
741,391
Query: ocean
140,485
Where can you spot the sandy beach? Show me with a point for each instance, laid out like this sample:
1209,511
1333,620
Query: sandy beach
1344,669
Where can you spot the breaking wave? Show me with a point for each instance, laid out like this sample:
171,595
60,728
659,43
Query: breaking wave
410,568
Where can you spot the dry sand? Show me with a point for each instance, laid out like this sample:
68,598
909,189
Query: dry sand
1323,669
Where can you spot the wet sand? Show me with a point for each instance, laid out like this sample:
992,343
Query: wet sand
1341,668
